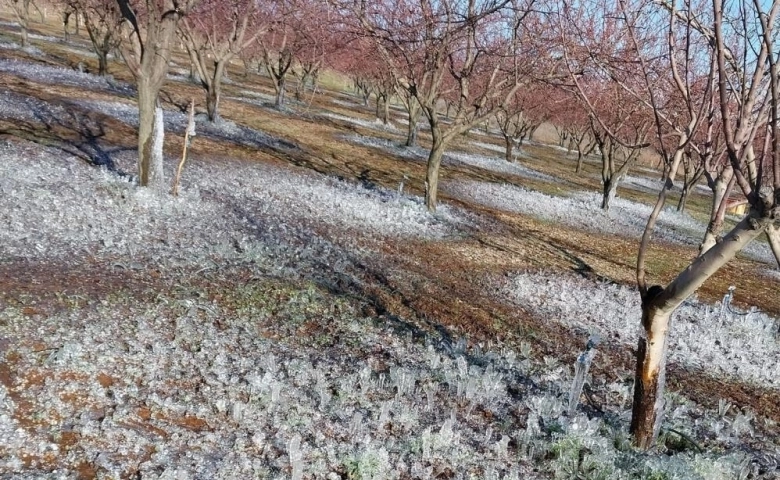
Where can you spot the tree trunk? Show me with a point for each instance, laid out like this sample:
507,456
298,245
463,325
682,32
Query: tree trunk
280,90
151,134
386,110
657,307
299,91
432,173
194,75
102,61
648,406
773,236
212,102
609,192
65,18
580,158
683,197
214,92
411,134
510,145
719,192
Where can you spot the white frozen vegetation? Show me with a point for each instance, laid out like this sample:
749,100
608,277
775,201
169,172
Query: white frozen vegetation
375,124
237,365
56,206
245,386
499,164
62,76
394,147
724,342
581,210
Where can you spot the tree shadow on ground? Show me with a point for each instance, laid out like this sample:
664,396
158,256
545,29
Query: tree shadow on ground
78,133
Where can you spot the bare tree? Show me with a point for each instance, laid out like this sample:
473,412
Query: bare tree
319,41
214,33
102,21
150,27
474,54
677,88
521,116
21,11
605,77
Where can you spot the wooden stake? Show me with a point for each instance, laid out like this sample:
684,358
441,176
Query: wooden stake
187,134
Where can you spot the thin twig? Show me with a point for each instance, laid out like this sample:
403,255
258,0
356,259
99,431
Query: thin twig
686,438
189,132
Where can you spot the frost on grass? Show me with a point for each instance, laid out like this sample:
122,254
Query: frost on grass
725,342
62,76
54,206
500,165
581,210
494,164
26,108
375,124
649,185
30,49
490,146
177,121
254,384
391,146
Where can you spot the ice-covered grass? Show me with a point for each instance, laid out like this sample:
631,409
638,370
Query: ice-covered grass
29,49
376,124
62,76
44,38
727,342
253,94
24,108
392,146
177,121
582,210
351,103
644,184
55,206
262,382
494,164
221,375
499,164
490,146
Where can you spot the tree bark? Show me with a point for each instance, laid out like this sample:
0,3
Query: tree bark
683,197
102,63
280,91
150,138
609,192
411,134
65,19
386,110
657,308
214,92
432,173
415,112
720,190
23,15
650,379
212,103
773,235
509,151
